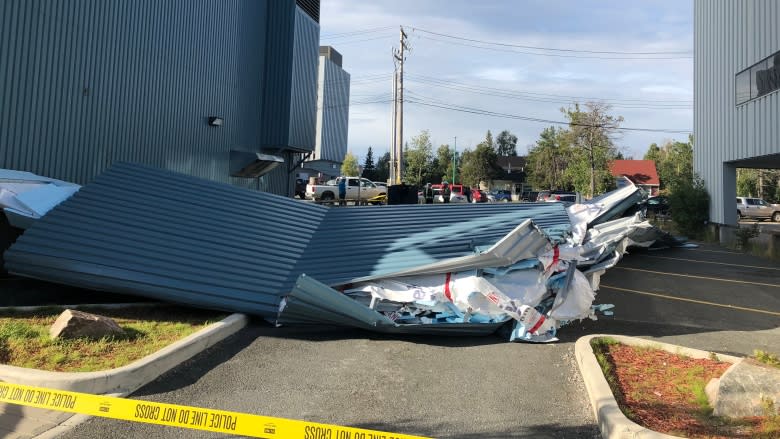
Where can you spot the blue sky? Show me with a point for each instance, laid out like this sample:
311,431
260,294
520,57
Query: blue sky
648,93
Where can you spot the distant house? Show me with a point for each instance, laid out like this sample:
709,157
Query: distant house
513,177
641,172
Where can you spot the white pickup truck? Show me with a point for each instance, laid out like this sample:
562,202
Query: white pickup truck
357,189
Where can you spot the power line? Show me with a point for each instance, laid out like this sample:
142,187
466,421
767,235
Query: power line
494,43
357,32
523,92
482,112
555,55
361,40
557,100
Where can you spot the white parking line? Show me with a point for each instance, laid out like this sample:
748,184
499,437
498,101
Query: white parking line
715,251
720,279
717,263
700,302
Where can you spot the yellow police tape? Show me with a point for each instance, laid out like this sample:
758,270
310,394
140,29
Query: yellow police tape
173,415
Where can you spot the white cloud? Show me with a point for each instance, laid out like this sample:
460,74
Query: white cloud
566,25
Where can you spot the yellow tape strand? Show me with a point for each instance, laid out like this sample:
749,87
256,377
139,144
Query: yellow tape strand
700,302
720,279
172,415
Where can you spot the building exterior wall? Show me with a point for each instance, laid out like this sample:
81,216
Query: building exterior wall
332,112
730,36
87,83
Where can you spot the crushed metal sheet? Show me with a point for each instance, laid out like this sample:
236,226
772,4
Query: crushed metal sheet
26,197
154,233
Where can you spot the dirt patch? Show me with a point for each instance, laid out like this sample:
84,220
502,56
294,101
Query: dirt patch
665,392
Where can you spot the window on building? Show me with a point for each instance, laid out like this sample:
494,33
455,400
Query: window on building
756,71
743,87
760,79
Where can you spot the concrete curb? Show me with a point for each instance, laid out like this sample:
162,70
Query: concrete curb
612,422
128,378
121,381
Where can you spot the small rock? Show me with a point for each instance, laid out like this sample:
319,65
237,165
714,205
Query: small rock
73,324
742,390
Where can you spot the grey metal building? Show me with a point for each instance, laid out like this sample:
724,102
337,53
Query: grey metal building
191,86
736,95
332,115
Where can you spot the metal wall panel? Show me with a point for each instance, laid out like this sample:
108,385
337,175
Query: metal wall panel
369,241
332,111
150,232
730,36
86,83
303,93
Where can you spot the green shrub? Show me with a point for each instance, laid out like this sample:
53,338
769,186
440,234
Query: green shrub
689,204
745,234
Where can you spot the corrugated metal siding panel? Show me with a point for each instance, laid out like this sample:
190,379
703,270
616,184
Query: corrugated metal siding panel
729,37
89,83
303,93
277,79
332,112
151,232
368,241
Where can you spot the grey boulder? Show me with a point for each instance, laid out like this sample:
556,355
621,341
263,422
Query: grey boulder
73,324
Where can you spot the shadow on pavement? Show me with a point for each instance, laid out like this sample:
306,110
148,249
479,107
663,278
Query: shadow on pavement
551,430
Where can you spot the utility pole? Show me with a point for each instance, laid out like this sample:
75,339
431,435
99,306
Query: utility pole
397,159
454,159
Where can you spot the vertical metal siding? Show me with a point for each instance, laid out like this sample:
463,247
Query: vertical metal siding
303,93
730,36
332,111
87,83
146,231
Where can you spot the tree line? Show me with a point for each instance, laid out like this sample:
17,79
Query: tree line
424,165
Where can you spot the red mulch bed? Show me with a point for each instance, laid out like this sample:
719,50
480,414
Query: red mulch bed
655,390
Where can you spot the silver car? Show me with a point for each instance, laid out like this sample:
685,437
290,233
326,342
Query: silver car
756,208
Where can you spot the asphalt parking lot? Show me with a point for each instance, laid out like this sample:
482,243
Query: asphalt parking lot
476,387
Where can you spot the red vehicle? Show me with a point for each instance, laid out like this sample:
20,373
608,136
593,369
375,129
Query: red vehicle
478,196
457,194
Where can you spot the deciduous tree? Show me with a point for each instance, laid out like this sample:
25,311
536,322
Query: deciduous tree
592,131
418,157
506,144
547,160
349,167
481,164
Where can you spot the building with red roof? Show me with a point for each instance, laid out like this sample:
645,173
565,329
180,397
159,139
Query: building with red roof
641,172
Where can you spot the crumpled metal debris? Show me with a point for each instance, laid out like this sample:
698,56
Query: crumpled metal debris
26,197
536,288
521,268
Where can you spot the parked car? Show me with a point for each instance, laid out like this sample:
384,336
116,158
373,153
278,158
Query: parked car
356,187
502,195
457,194
556,195
570,197
479,196
756,208
656,206
530,196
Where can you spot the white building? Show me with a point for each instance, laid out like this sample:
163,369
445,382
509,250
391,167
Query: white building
332,116
736,95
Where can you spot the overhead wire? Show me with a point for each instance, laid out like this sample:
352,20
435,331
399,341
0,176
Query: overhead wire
483,112
688,53
508,94
523,92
